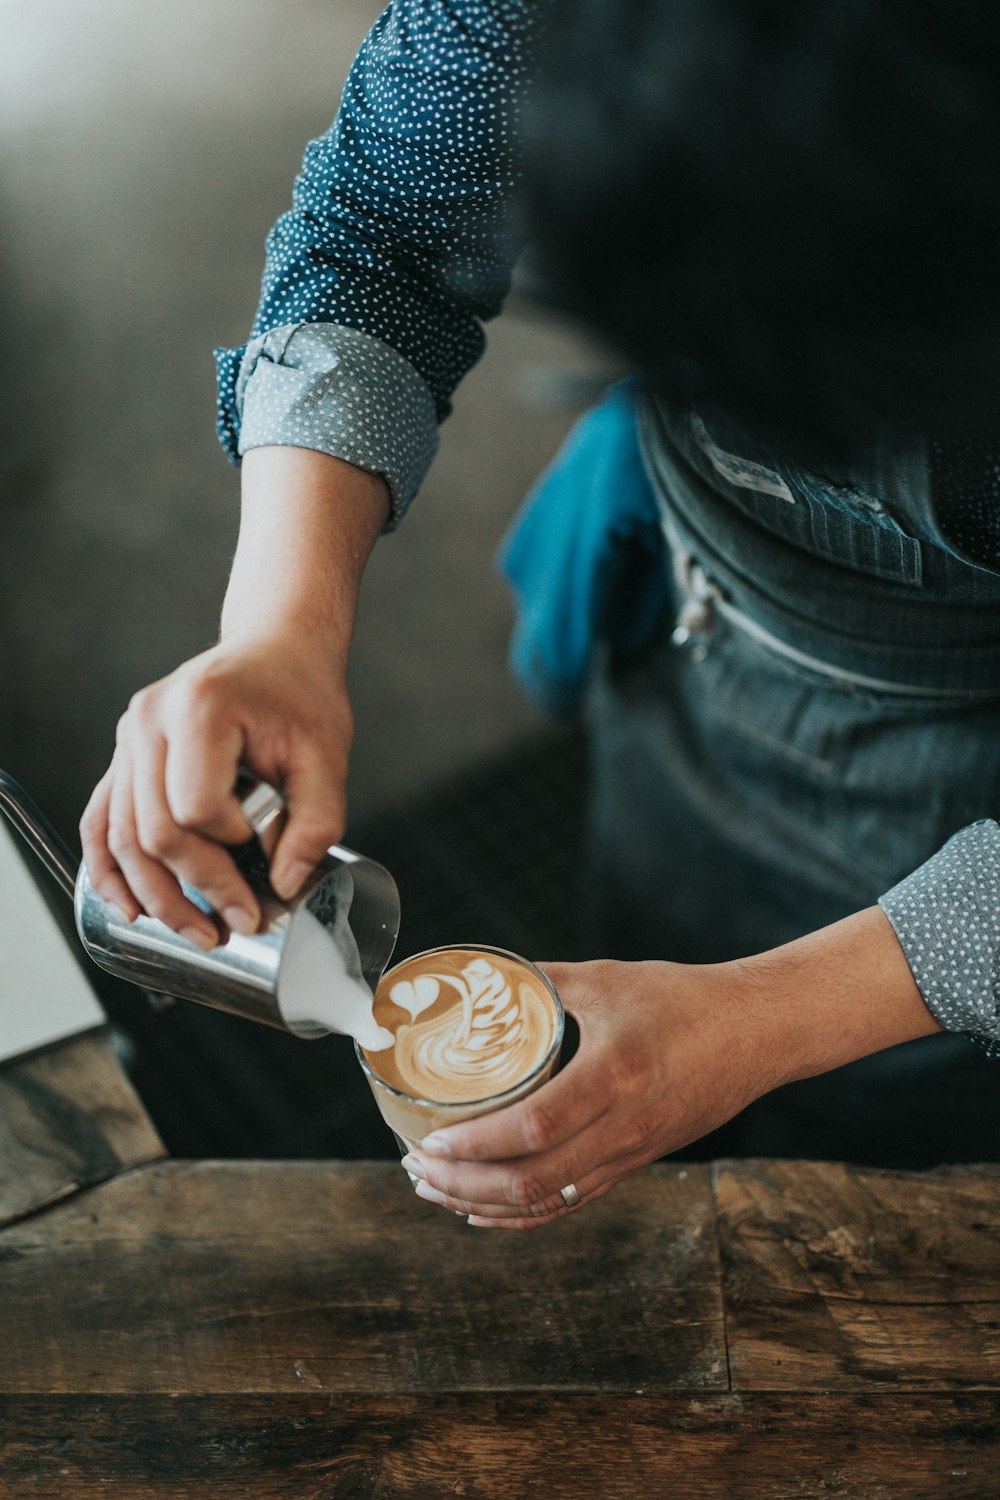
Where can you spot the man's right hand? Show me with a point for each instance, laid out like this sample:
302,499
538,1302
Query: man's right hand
271,696
166,805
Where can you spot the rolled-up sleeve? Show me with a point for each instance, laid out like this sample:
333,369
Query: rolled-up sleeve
947,918
398,246
324,386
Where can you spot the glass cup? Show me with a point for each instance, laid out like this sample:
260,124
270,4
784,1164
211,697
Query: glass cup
410,1118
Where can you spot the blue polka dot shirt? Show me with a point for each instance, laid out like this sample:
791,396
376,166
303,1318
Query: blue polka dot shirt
397,248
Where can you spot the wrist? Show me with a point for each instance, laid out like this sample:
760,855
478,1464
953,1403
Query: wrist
308,524
287,646
829,998
300,631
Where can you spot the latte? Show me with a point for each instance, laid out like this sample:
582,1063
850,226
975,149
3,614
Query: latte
473,1028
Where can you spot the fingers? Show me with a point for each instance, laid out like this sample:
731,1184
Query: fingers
158,813
523,1184
203,755
518,1208
315,819
167,809
102,868
539,1221
182,799
152,885
556,1112
184,853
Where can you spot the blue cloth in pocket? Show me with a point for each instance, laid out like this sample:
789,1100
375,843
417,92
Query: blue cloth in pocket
585,558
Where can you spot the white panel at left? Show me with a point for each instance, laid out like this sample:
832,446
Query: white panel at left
44,994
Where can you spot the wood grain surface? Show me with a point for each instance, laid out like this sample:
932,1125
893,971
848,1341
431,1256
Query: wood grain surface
291,1276
68,1117
838,1278
754,1330
489,1447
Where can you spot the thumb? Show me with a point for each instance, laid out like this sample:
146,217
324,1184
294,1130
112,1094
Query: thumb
315,798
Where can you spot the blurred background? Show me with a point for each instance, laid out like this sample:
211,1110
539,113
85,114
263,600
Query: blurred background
146,150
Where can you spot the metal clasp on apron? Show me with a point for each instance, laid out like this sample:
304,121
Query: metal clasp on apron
700,597
697,614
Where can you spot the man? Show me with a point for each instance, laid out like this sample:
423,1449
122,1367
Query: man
784,214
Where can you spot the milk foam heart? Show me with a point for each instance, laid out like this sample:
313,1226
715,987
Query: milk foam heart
415,995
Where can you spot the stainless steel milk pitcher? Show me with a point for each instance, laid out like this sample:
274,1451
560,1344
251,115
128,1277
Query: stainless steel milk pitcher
354,899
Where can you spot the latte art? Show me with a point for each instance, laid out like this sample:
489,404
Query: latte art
466,1025
483,1034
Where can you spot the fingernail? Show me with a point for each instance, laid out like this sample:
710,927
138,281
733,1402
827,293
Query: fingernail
437,1145
291,881
431,1194
120,912
414,1166
200,938
240,920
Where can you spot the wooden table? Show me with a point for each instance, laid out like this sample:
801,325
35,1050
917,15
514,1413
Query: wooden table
313,1330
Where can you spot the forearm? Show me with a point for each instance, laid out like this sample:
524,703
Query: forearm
307,527
829,998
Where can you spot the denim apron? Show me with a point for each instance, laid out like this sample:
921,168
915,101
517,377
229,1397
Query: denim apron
821,714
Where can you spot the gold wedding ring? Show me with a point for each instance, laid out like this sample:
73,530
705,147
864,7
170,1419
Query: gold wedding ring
570,1195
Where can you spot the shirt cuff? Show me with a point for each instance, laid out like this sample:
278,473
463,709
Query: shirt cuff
947,918
339,391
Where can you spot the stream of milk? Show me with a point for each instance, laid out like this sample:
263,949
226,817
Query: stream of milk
320,982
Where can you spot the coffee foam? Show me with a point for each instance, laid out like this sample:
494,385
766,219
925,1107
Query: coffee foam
467,1025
